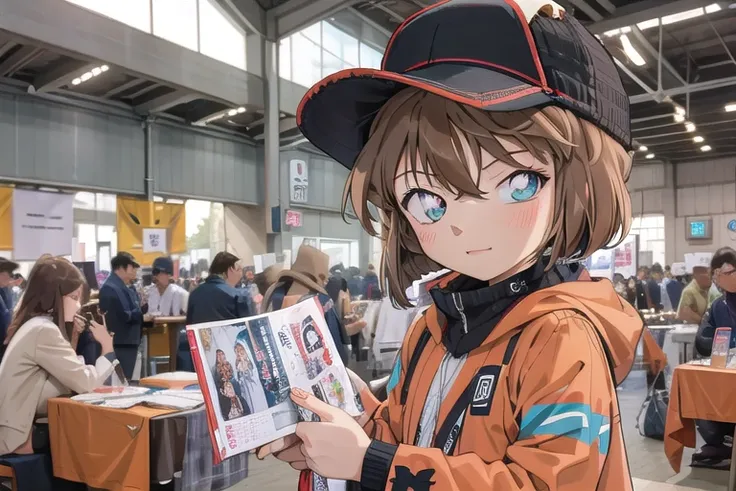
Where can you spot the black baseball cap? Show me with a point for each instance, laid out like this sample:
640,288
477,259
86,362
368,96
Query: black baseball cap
483,53
163,265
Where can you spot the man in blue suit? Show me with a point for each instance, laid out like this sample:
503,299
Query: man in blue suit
122,310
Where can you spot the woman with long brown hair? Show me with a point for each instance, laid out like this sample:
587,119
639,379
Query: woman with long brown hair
40,362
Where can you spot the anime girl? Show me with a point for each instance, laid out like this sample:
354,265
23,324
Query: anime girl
494,141
250,385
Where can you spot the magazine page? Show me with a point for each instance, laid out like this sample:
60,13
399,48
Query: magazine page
245,368
312,361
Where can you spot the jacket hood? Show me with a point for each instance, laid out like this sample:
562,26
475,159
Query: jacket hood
616,321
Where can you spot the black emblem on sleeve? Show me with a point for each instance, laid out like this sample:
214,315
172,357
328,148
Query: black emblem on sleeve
405,480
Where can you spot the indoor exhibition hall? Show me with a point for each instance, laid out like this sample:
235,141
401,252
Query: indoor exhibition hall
367,245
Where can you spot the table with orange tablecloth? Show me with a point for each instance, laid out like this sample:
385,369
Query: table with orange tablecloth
698,392
101,447
127,449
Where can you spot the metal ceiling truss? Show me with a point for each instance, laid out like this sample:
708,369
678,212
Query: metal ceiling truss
62,75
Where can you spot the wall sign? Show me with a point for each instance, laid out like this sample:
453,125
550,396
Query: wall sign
298,181
294,218
154,240
43,223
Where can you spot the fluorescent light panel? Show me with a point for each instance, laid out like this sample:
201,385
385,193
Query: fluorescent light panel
643,148
90,74
650,156
681,16
689,127
698,139
631,52
679,118
706,148
730,107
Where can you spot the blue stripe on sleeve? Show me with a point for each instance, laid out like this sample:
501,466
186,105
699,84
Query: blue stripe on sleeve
393,381
571,420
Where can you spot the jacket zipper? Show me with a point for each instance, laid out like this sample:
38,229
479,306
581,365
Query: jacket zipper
459,306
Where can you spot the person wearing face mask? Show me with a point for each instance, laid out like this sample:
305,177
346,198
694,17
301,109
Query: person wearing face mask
40,362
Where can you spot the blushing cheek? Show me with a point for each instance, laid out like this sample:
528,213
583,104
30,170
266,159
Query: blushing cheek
524,215
426,237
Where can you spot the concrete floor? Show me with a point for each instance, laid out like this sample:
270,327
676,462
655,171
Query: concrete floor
649,466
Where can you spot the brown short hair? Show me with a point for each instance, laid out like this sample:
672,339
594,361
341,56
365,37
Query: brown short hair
591,199
222,262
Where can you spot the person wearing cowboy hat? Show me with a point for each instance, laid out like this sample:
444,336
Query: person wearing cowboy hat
307,278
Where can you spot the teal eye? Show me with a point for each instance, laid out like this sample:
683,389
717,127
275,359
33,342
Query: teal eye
521,186
424,206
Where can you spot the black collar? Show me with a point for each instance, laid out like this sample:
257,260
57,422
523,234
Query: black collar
472,307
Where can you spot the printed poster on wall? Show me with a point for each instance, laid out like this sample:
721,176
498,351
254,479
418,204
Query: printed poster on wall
298,181
154,240
625,257
43,223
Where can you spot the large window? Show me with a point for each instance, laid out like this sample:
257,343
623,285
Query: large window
176,21
650,229
194,24
135,13
320,50
219,37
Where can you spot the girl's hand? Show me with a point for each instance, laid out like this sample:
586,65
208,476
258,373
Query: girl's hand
335,447
101,335
286,450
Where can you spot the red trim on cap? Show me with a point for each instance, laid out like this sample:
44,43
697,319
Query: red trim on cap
532,43
477,100
403,24
474,62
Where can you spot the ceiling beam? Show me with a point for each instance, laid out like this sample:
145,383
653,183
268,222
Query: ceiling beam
164,102
394,15
285,125
143,91
246,13
122,88
690,88
375,25
295,15
642,40
606,4
6,46
19,59
62,75
645,10
585,8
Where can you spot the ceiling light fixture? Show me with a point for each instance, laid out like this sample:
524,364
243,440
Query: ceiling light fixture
689,127
698,139
706,148
643,148
649,156
680,110
681,16
679,118
730,107
232,112
98,70
241,110
631,52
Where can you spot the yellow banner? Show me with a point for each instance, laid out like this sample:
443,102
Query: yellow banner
6,219
134,215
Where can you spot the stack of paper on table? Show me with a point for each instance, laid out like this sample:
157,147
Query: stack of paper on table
175,399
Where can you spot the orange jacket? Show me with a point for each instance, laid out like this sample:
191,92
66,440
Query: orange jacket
552,420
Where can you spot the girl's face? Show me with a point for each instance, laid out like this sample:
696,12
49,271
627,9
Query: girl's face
72,304
487,237
229,390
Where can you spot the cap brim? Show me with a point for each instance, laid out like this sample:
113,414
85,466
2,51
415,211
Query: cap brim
337,113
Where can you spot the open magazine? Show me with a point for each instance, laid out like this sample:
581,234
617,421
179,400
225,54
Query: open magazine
246,369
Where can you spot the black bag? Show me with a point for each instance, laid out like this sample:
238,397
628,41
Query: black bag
654,409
